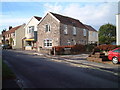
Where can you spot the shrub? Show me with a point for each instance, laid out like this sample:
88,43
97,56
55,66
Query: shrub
90,47
78,48
106,47
73,48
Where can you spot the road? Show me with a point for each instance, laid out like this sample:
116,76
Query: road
38,72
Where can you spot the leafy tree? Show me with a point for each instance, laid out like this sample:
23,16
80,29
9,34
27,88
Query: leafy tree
107,34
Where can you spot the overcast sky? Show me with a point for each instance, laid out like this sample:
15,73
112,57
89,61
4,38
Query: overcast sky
91,13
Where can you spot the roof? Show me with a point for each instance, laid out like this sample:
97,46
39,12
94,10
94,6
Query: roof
90,28
38,18
68,20
12,30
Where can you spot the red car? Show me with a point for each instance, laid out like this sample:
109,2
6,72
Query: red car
114,55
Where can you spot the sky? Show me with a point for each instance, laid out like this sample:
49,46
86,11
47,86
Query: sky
90,13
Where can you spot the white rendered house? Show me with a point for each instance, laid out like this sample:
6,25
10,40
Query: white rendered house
118,29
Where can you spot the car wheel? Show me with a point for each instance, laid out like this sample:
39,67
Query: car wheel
115,60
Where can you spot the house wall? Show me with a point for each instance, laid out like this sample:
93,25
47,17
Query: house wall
33,22
54,34
118,29
1,38
79,38
92,37
19,35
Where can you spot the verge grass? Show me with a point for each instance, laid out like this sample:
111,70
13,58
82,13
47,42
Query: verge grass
6,72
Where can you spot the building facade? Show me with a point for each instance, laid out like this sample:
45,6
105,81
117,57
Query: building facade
118,29
58,30
14,36
30,40
92,35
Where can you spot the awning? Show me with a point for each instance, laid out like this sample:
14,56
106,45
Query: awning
29,39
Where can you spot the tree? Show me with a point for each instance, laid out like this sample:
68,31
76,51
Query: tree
107,34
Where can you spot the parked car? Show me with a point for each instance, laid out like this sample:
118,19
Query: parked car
6,46
114,55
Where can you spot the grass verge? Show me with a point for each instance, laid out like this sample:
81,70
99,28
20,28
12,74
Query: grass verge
6,72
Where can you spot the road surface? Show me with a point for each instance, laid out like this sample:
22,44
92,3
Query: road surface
38,72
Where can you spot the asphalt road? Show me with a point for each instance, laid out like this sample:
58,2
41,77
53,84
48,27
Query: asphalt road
39,72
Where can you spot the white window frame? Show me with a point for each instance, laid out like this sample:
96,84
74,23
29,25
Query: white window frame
84,32
47,43
68,42
65,29
47,28
74,31
31,29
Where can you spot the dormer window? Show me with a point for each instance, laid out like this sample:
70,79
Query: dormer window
47,28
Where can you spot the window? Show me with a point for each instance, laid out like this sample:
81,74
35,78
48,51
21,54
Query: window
68,41
47,28
31,29
84,32
14,34
48,43
65,29
74,31
118,50
74,42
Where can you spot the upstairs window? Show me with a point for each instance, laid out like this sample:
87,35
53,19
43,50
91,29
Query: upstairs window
31,29
47,28
74,31
14,34
84,32
65,29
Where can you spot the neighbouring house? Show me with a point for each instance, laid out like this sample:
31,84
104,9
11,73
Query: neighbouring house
30,40
93,35
14,36
118,29
118,25
58,30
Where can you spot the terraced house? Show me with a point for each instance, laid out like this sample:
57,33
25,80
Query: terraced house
14,36
92,35
58,30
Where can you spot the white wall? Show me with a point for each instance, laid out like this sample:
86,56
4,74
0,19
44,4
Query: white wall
93,36
118,29
33,22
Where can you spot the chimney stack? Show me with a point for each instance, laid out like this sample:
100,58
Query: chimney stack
10,27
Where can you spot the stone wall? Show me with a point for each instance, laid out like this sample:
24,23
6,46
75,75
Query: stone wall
54,34
78,38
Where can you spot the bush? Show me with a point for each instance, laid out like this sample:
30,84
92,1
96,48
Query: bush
90,47
106,47
78,48
73,48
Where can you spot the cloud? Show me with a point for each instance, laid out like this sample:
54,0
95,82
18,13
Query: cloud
92,14
7,21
